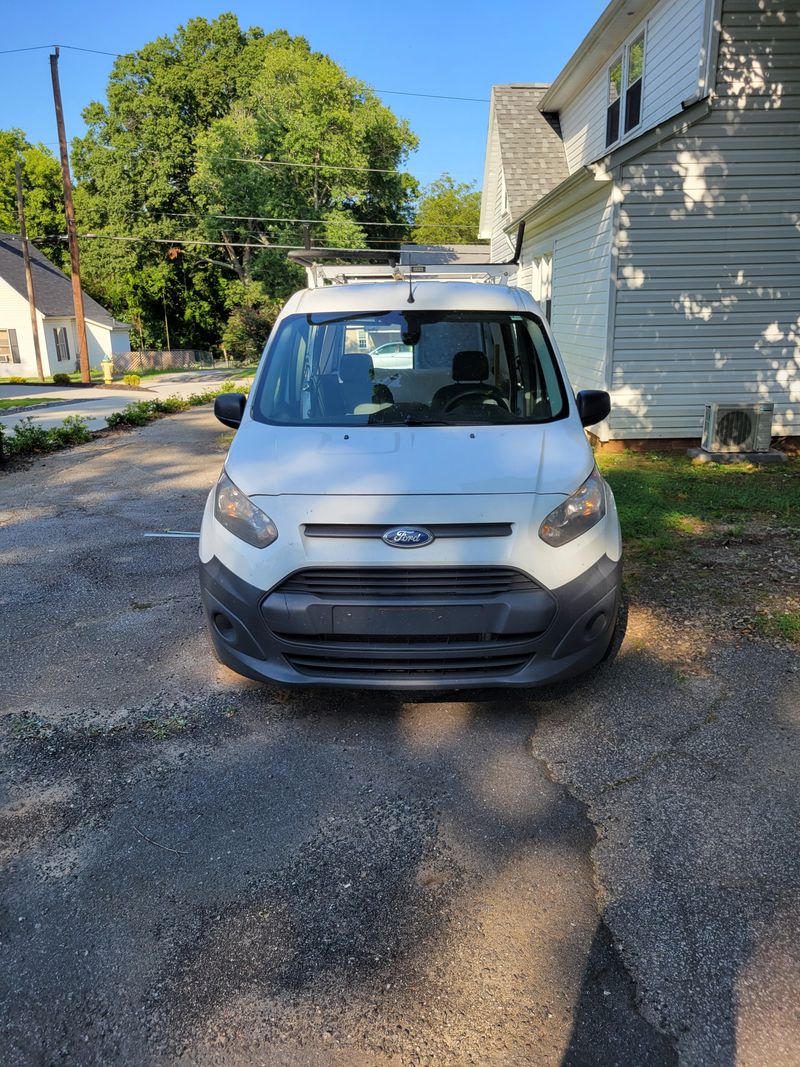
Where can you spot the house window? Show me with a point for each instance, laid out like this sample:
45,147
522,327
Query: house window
633,93
9,349
62,344
543,284
624,108
614,97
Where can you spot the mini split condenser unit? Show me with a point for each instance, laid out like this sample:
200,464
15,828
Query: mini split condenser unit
737,427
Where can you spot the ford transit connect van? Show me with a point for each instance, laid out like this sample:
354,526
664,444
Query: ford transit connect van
422,515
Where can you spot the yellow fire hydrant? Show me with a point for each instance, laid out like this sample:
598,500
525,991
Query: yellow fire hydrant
107,366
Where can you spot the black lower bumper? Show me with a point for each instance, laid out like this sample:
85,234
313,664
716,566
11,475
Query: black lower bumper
527,636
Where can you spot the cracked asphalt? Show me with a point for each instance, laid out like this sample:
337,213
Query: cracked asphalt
199,870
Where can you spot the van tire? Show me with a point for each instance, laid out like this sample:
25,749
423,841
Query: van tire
620,629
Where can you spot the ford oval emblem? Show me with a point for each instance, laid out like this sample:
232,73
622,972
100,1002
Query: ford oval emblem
408,537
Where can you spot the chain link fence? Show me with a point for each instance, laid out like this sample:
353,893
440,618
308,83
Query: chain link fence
161,359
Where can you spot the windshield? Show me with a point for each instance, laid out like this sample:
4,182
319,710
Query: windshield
410,367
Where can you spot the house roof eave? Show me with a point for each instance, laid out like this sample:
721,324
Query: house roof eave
87,318
580,184
612,28
489,179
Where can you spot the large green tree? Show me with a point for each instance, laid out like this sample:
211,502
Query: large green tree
448,213
41,182
174,151
345,149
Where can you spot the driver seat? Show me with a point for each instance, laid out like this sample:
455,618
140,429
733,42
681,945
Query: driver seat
470,371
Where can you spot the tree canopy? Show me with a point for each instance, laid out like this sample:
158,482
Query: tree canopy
175,162
448,213
41,183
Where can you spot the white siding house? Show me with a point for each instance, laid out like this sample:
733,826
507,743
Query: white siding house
675,231
55,319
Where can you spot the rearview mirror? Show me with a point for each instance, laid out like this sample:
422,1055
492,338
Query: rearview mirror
229,408
593,406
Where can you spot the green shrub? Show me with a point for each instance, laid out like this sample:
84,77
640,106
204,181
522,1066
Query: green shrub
170,404
62,379
201,398
133,380
17,380
137,414
28,436
73,431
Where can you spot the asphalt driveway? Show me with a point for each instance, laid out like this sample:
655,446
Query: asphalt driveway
199,870
95,403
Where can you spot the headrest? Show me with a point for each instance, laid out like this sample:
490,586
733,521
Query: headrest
470,367
356,367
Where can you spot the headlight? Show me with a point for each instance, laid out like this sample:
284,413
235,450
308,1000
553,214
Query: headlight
579,513
240,515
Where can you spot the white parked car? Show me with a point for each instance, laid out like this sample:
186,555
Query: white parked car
440,525
394,355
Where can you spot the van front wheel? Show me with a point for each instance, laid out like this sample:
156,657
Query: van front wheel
620,629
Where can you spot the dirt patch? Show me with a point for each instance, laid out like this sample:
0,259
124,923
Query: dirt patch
722,585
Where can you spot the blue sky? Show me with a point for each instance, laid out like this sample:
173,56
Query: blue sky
452,47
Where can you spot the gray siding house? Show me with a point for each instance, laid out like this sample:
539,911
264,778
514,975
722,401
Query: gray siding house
659,181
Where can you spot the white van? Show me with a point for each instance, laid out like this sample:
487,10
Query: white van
434,523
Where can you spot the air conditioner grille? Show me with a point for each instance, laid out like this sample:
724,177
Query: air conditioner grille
734,429
737,427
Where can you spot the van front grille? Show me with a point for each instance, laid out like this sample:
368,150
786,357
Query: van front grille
434,583
472,664
371,642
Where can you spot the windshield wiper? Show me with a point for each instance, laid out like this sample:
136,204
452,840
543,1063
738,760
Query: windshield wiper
414,420
343,318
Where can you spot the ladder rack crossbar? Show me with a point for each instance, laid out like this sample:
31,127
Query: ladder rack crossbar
338,266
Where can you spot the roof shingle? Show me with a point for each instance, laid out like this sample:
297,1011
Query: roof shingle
52,287
531,146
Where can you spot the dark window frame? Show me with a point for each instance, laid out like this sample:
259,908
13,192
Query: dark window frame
13,347
61,338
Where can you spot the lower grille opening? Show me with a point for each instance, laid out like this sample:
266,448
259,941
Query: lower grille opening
429,582
377,666
406,640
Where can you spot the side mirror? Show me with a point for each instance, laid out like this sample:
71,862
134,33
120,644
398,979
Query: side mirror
593,406
229,408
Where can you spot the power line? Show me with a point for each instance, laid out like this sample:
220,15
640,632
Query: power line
71,47
119,55
273,162
30,48
419,249
434,96
278,219
311,166
96,51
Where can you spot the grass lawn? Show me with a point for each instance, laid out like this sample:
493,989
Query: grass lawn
730,534
97,375
240,372
24,402
75,376
666,501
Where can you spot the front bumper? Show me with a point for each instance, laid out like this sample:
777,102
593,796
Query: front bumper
515,634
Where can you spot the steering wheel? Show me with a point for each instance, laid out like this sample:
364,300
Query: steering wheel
479,392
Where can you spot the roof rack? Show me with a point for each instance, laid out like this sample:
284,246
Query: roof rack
338,266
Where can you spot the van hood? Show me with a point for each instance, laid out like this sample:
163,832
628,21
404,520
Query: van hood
267,460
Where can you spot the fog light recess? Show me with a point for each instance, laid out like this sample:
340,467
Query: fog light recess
596,625
224,627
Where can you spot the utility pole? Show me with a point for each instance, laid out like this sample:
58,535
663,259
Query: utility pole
72,236
26,255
